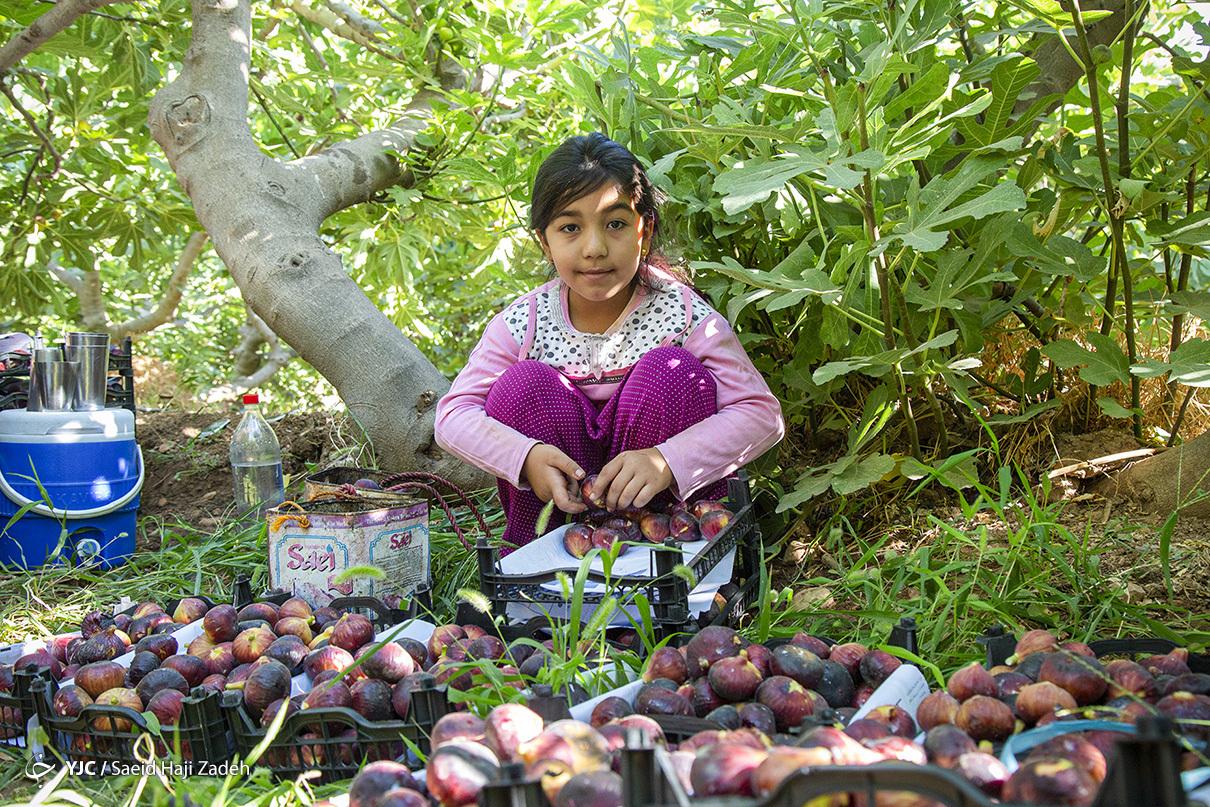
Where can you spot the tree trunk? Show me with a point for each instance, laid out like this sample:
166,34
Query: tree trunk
1167,481
263,217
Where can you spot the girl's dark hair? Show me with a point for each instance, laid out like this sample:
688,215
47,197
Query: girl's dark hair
581,165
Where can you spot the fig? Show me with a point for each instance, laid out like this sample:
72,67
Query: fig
603,538
861,695
970,681
1186,706
371,698
99,676
293,626
713,523
877,666
985,718
592,789
417,650
402,797
458,770
788,699
327,658
725,770
93,622
849,656
946,743
1083,677
295,608
145,609
608,709
1193,683
655,527
813,643
727,717
1129,678
377,779
221,623
1049,780
655,700
576,746
163,646
70,701
237,676
898,720
797,663
401,698
842,748
666,662
708,646
508,727
756,716
457,726
163,678
366,484
836,685
1175,662
577,540
165,626
166,705
701,696
703,506
937,709
489,648
782,762
1008,684
266,611
289,650
735,678
1077,749
897,748
1077,648
762,659
389,663
618,728
683,527
266,683
118,696
215,682
1044,698
331,695
192,668
201,646
983,771
351,632
866,729
251,644
442,636
456,650
1032,665
189,609
1034,641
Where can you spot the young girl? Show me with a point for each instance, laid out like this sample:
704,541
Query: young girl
615,367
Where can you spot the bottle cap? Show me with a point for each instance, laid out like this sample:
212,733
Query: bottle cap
251,398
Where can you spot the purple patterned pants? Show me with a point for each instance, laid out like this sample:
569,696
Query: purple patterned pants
666,392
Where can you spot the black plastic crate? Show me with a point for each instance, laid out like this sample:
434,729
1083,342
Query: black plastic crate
667,592
1000,643
108,740
17,706
336,741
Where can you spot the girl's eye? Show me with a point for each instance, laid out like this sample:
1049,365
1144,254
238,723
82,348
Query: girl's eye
622,224
565,227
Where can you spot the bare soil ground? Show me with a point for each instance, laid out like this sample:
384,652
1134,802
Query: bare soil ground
188,473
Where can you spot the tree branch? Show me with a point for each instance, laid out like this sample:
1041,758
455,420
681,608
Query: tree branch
63,14
33,124
92,302
171,298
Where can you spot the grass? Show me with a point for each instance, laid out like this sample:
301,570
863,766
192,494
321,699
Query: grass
1010,556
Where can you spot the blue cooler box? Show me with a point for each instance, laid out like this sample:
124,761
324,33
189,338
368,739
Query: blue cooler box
92,471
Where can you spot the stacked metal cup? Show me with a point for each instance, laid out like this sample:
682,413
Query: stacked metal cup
91,351
52,381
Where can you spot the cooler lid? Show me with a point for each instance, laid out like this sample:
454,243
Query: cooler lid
101,424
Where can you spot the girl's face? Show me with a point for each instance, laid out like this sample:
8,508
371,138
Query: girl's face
596,243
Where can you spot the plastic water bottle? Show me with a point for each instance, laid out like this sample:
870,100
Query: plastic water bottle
256,461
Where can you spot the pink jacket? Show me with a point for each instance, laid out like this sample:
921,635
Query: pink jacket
537,326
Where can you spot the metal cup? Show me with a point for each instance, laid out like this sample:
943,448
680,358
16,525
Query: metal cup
91,350
40,356
56,382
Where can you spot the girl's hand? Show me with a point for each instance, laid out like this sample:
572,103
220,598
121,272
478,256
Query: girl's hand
554,475
634,478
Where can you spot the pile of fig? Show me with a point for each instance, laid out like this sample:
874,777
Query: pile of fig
600,528
576,763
